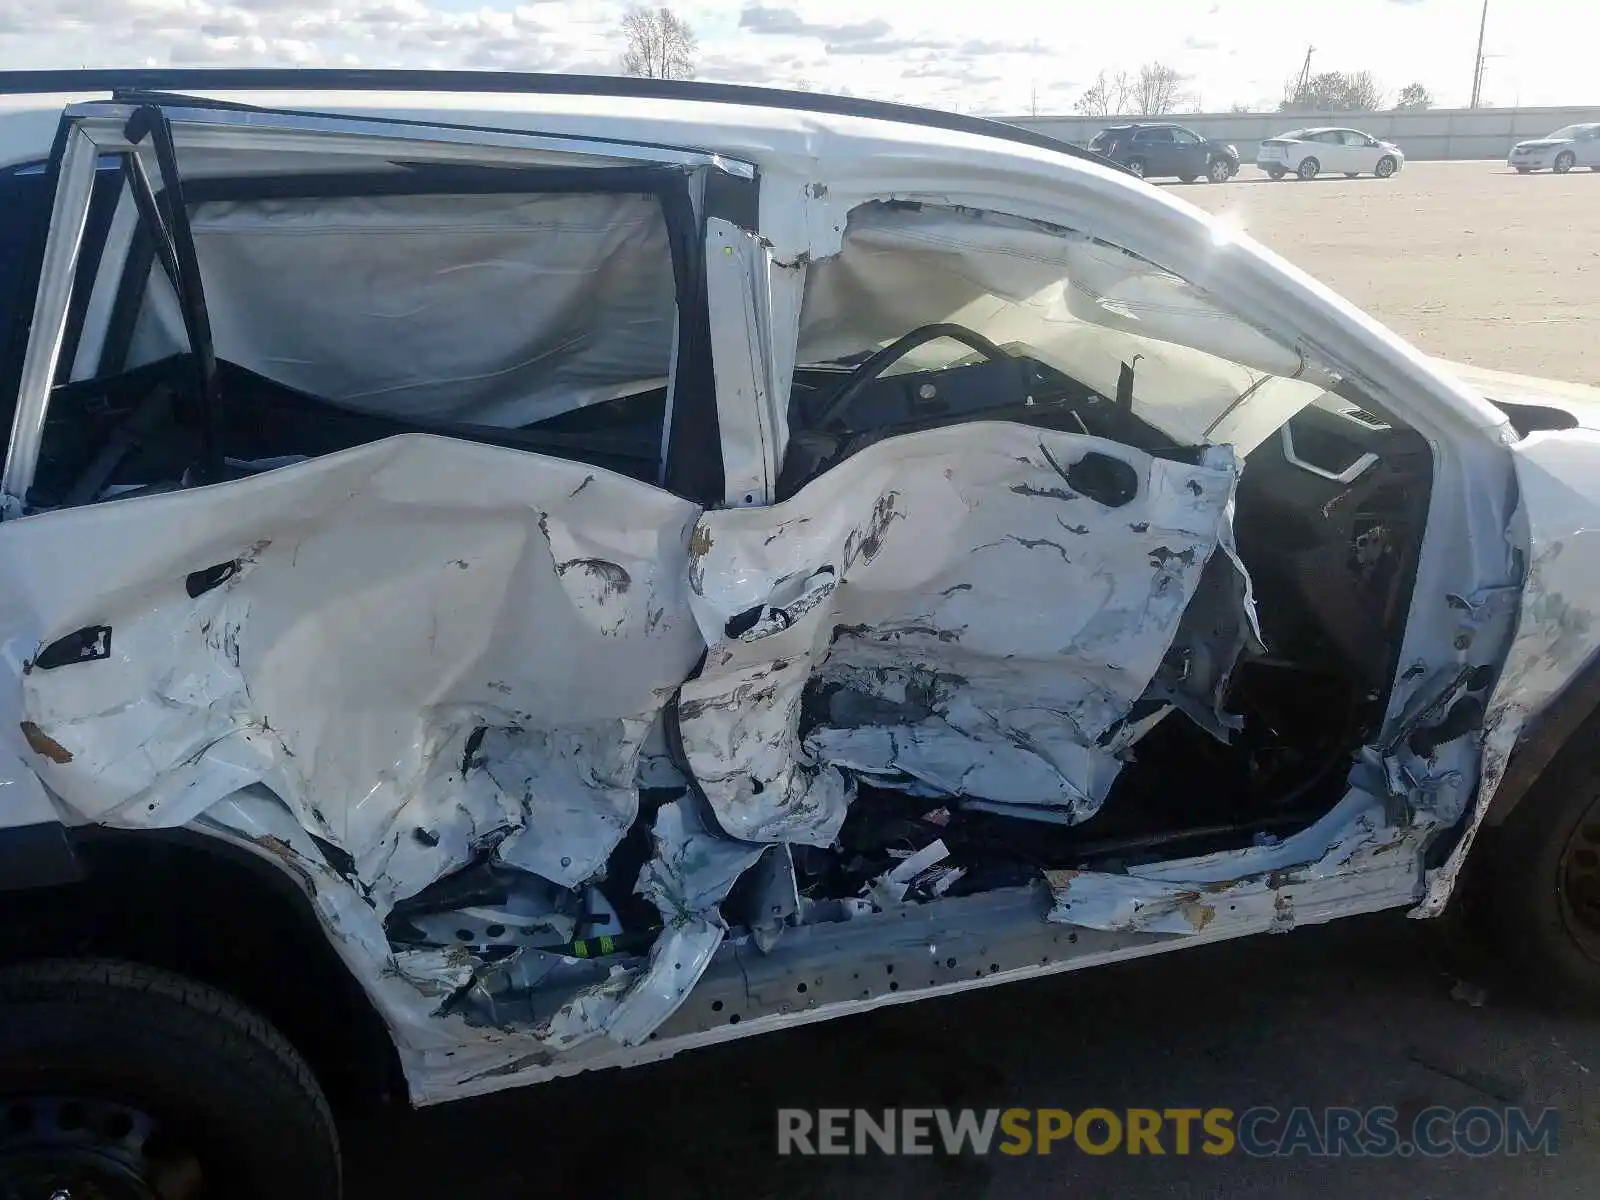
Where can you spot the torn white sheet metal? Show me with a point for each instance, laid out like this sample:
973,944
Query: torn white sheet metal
377,608
752,426
677,961
1218,628
408,987
400,304
891,887
693,868
1068,299
954,606
1558,622
1349,861
687,877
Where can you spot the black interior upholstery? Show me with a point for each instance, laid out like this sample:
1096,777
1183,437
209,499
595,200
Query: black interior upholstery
263,420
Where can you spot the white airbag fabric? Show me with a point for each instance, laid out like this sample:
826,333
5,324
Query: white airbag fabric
489,310
1080,305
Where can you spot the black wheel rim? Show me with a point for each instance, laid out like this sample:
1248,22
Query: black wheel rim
80,1148
1579,883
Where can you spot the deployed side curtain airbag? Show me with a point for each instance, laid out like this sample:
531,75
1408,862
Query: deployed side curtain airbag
498,310
1072,301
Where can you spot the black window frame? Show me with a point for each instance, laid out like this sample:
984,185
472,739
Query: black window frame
693,464
16,316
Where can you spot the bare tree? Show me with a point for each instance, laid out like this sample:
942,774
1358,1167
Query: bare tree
1158,90
1414,95
1239,106
1107,96
1364,93
1334,91
660,44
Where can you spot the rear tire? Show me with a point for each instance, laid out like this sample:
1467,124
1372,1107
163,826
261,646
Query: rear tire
1276,173
1309,169
1543,888
1352,174
112,1073
1187,178
1564,162
1136,165
1522,170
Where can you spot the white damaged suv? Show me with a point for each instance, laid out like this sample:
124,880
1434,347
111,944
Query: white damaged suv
508,575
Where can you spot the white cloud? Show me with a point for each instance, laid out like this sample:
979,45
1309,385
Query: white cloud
1000,56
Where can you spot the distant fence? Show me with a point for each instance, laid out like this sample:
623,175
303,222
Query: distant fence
1434,133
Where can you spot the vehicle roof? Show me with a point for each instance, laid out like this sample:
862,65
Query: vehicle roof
732,119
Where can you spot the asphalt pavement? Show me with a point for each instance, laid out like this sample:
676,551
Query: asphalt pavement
1373,1012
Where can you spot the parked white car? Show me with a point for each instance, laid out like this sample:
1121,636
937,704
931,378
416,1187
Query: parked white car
1312,152
496,585
1568,147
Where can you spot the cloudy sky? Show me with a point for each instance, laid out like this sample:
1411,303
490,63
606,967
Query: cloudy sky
992,56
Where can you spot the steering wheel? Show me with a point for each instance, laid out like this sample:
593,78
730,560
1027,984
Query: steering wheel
868,371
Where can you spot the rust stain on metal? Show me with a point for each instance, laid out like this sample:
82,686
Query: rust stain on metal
42,743
700,542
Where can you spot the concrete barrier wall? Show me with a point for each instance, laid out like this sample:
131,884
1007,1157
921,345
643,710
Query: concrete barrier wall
1435,133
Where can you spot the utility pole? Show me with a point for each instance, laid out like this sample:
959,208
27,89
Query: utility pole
1305,74
1477,62
1033,53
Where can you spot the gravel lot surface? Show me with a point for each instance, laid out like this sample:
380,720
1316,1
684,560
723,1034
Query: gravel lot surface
1469,260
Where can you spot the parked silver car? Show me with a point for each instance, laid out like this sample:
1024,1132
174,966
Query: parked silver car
1568,147
1307,153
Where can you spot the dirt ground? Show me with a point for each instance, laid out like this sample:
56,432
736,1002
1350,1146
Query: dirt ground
1473,263
1469,260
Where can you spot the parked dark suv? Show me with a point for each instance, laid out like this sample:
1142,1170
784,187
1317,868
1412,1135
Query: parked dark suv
1160,148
